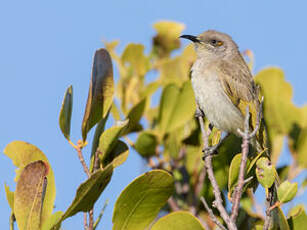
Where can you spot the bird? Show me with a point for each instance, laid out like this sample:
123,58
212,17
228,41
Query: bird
223,86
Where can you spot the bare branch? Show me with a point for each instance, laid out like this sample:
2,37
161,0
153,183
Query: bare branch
258,207
211,214
203,222
173,205
246,136
78,148
217,193
85,221
91,219
268,212
12,220
200,182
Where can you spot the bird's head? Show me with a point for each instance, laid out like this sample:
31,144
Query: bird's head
212,44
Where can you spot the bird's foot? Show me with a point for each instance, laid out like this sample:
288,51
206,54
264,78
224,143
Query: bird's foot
199,113
210,151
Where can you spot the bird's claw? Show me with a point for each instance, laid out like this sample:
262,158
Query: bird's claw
199,113
209,151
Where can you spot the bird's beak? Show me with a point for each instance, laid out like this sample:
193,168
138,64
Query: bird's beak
190,37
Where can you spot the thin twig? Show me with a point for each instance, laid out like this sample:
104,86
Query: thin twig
267,219
239,189
216,191
269,204
200,182
91,219
211,214
78,148
203,222
85,221
172,204
246,136
217,194
12,220
258,207
101,214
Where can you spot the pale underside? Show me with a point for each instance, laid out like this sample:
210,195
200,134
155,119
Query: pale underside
213,101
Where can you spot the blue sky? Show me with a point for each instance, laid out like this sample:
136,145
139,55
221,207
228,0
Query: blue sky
47,45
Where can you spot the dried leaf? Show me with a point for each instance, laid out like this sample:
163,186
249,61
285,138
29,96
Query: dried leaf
22,154
101,91
30,194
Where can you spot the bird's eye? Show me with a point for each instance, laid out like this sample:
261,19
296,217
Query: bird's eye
216,43
213,42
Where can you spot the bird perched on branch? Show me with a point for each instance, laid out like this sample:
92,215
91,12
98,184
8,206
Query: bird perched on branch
224,86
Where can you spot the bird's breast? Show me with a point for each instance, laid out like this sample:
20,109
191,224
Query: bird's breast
214,102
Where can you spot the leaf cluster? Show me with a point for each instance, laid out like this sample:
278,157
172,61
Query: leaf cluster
168,139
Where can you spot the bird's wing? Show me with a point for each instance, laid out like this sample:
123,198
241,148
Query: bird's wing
237,80
239,86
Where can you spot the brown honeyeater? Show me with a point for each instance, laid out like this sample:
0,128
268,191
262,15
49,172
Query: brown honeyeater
224,86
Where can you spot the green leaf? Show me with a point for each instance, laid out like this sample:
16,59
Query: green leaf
253,162
169,29
179,220
166,39
134,116
115,112
296,210
234,172
301,147
9,197
100,96
167,104
30,194
281,222
98,131
146,144
109,138
286,191
277,141
298,221
297,140
279,110
150,89
88,193
184,109
265,172
177,107
65,113
193,161
258,227
134,56
52,220
140,202
304,183
22,154
174,70
118,155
